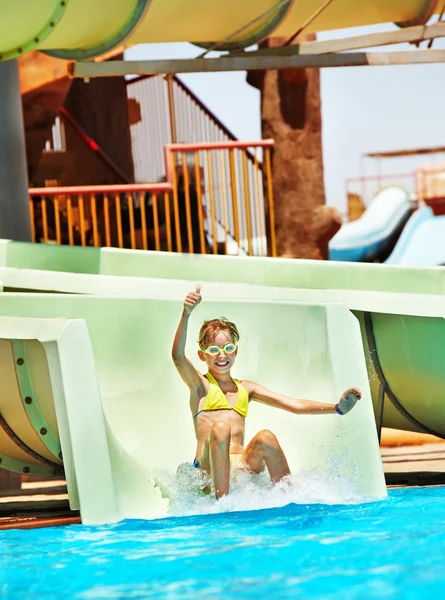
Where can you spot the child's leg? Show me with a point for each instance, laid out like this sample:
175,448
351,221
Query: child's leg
215,457
264,449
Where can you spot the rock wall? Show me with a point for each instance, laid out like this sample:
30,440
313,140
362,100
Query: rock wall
291,115
100,107
43,86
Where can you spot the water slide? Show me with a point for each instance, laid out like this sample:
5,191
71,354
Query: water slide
88,378
81,29
373,234
87,375
422,243
114,324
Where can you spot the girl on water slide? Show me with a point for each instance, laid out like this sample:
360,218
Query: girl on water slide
219,404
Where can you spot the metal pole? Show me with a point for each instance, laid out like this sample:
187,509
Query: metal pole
14,212
172,110
289,41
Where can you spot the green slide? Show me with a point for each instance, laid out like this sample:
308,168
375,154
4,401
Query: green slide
85,334
89,379
81,29
310,341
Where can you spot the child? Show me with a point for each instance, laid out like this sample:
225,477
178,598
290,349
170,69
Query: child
219,404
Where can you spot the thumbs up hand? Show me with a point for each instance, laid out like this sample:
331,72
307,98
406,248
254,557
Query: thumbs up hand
192,299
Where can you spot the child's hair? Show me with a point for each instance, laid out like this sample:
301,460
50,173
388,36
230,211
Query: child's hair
210,329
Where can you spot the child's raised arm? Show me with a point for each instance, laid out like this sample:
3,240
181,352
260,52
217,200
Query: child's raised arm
346,403
189,374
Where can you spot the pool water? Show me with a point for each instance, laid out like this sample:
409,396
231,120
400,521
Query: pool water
394,548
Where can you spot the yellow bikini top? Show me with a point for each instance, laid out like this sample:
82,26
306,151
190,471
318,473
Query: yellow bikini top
216,399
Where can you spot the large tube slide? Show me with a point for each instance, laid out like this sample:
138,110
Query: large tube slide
81,29
375,232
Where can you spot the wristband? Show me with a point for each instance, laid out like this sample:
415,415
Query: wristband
338,410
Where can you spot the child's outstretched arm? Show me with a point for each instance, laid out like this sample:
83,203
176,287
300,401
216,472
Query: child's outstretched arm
189,374
348,400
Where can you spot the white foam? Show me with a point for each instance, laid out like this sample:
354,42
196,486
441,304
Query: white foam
254,492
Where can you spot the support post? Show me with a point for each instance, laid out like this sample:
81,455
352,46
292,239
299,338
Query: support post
14,212
380,407
171,110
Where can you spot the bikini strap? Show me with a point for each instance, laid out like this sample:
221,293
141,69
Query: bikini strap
211,379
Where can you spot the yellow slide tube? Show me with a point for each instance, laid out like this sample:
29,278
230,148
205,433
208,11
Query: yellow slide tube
82,29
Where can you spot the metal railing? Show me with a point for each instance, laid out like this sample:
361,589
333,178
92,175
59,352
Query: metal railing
57,141
123,216
169,113
217,181
214,200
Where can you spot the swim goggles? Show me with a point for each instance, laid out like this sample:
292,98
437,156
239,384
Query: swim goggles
215,350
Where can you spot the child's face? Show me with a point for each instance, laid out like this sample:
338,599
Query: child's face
222,362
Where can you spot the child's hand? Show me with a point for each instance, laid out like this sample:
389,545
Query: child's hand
349,399
192,300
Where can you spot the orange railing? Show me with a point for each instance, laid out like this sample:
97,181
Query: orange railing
214,200
234,193
124,216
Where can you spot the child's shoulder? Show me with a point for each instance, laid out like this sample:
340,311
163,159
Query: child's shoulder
247,384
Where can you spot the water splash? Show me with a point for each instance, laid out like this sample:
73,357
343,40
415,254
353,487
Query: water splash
185,491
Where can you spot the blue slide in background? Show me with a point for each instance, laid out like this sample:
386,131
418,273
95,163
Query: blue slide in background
422,243
366,238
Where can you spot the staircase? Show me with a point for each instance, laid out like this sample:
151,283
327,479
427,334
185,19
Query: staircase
224,182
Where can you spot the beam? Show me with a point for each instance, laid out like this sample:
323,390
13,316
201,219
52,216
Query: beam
419,33
409,152
250,61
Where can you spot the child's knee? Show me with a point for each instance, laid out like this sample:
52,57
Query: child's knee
266,438
220,431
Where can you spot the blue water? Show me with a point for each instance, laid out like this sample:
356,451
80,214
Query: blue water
389,549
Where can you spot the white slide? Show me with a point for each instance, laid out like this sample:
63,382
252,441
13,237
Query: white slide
365,238
90,379
422,243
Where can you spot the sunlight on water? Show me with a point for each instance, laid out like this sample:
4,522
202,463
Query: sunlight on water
307,549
